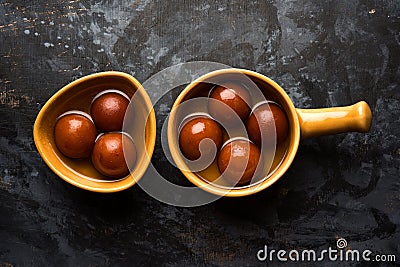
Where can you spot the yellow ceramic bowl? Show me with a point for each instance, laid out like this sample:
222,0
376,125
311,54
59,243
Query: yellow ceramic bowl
78,96
303,123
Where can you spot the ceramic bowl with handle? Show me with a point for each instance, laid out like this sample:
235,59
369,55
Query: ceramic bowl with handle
303,123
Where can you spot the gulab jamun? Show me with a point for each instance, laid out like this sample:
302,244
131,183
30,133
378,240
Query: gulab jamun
111,152
108,110
263,118
237,99
196,130
75,134
236,153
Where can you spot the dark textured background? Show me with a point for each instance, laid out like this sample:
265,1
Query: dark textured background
323,53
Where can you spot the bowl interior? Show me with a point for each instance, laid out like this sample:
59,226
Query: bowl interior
78,96
284,153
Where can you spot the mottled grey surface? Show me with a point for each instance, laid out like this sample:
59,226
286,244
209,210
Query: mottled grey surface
323,53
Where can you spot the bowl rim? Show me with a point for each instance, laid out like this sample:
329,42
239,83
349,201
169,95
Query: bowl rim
242,191
150,144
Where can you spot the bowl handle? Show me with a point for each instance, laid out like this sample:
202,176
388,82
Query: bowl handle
324,121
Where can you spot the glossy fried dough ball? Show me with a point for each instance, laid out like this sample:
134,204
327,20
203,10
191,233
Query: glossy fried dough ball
236,97
108,110
263,118
74,135
233,157
196,130
111,152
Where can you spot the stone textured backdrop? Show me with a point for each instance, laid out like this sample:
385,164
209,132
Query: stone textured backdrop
323,53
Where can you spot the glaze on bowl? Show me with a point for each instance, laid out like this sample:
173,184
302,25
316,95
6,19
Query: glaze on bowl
78,95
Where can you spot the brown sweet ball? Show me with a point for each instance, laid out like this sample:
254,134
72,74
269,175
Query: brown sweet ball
108,154
235,154
262,120
75,134
194,131
236,97
108,110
